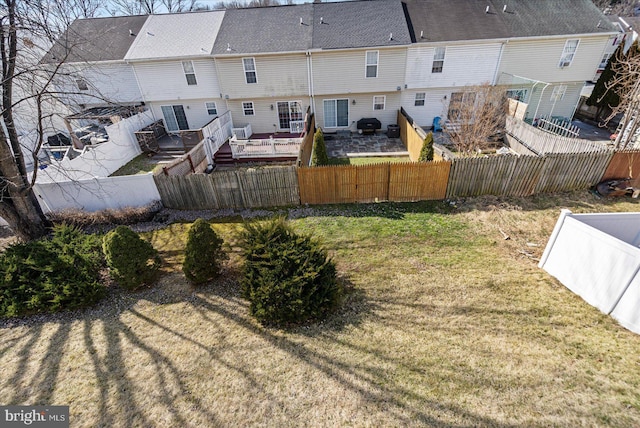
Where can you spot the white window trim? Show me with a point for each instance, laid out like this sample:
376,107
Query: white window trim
188,73
215,107
367,65
324,119
423,99
605,61
253,108
444,56
384,102
254,71
562,63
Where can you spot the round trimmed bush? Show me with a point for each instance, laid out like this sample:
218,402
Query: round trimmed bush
48,275
132,261
203,254
287,278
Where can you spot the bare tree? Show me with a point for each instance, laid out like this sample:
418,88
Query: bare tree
27,31
134,7
476,115
180,5
626,85
617,7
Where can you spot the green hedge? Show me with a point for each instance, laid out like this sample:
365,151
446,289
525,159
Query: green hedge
132,261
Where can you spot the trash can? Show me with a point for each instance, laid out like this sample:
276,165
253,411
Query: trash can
393,131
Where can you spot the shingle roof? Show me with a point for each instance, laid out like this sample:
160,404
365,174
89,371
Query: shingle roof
455,20
177,35
265,29
96,39
359,24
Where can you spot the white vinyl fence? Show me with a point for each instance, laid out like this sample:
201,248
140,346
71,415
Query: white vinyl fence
597,257
103,159
216,133
98,193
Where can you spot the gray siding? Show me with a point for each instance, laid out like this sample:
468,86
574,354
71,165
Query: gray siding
265,119
277,75
165,80
343,72
362,108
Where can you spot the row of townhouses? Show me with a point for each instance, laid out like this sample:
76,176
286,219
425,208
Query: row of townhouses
345,61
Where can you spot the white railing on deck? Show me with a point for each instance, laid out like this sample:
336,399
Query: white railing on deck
559,127
273,147
296,126
242,133
216,133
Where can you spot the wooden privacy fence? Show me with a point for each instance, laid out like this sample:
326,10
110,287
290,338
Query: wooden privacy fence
238,189
624,164
541,142
371,183
193,162
411,136
526,175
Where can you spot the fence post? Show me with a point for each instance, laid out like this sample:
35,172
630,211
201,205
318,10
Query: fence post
193,170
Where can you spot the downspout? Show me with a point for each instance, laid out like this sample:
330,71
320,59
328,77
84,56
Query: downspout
226,101
135,74
495,74
310,76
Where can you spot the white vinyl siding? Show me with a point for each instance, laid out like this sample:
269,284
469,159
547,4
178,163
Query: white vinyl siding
438,59
164,80
434,105
194,110
114,83
248,108
466,65
517,59
250,74
558,92
189,72
419,100
545,104
378,102
336,113
569,51
340,72
264,120
211,108
371,67
281,76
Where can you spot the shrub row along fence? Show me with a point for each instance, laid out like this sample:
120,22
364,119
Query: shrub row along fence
372,183
238,189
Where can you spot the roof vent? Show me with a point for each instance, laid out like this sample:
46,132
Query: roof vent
599,24
149,33
390,36
422,34
301,23
321,20
486,10
131,33
504,8
229,47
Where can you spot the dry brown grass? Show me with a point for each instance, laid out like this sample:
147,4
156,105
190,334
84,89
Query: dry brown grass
446,324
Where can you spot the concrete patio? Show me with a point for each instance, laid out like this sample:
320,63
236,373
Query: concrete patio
347,144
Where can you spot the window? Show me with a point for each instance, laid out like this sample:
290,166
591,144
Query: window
211,108
372,64
82,85
604,61
461,104
568,52
519,94
249,65
438,60
420,97
174,118
247,108
558,92
289,111
336,113
378,102
189,72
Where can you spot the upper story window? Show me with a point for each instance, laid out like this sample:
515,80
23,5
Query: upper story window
189,72
372,64
211,108
569,51
419,101
82,85
438,60
249,65
247,108
378,102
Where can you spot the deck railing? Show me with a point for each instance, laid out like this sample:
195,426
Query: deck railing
272,147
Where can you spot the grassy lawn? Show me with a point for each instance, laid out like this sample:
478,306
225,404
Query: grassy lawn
445,324
368,160
139,165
